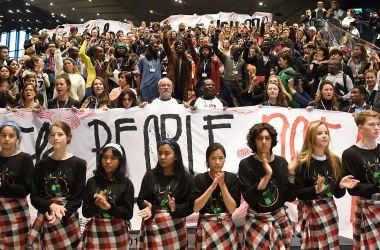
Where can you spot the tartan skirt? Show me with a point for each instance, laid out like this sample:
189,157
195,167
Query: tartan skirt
216,232
163,232
14,223
366,225
63,234
317,224
269,230
105,234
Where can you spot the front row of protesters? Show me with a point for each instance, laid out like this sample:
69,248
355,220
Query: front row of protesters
168,194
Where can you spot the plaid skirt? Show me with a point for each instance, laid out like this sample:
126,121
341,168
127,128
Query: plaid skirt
62,234
105,234
269,230
216,232
366,225
163,232
317,224
14,223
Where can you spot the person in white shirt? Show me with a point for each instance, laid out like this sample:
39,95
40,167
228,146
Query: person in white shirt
342,82
165,89
209,99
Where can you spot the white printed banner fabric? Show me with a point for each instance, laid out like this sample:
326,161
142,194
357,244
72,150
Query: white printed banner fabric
139,130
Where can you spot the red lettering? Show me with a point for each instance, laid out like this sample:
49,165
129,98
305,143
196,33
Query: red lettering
283,130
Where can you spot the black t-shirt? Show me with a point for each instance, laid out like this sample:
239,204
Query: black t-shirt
16,175
119,194
215,204
364,165
278,190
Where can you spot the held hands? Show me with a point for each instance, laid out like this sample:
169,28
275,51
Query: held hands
101,201
320,187
146,213
218,180
171,203
56,212
266,166
348,182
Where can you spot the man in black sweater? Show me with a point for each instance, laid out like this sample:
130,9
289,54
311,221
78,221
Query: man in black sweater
362,162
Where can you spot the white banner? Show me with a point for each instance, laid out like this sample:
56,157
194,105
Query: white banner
103,25
219,19
138,130
190,20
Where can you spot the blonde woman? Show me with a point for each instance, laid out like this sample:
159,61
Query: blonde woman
319,177
275,93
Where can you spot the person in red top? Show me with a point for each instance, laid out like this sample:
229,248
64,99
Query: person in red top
206,67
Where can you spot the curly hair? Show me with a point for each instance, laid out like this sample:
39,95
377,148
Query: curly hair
255,132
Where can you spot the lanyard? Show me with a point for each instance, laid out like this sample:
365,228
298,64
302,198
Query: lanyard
64,106
204,66
324,105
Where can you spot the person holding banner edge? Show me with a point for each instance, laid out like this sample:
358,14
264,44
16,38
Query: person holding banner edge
215,195
108,201
362,161
163,200
266,183
319,177
57,193
16,169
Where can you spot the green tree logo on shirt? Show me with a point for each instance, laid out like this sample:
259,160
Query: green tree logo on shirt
56,184
270,195
161,195
372,171
7,175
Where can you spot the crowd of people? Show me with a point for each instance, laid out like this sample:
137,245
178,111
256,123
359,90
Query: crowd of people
284,65
96,70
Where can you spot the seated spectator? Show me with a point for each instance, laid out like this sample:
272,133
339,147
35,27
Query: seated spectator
99,98
63,100
358,97
325,98
209,99
127,99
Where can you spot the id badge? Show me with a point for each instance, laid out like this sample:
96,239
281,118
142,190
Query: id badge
204,75
164,73
151,70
